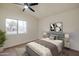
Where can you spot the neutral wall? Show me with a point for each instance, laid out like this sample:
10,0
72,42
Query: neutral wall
70,21
15,12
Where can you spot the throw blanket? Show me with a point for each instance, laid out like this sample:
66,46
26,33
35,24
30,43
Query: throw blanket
49,45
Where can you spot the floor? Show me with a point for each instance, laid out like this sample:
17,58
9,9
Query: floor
14,51
69,52
18,51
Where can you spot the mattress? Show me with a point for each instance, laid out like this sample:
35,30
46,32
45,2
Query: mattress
41,50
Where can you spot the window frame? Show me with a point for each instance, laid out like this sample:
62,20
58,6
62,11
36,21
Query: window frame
17,26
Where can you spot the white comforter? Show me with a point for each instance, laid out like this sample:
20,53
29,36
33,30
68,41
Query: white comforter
43,51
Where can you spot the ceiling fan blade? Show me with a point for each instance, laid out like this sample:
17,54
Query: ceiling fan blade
32,4
26,4
31,9
23,9
18,3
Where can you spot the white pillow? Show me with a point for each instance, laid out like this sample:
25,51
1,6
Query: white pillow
46,38
51,37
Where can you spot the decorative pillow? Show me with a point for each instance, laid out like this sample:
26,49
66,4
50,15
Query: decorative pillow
51,37
45,38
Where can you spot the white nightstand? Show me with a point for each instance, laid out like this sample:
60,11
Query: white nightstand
66,41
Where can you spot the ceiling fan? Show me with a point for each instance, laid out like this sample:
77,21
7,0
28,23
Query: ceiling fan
27,5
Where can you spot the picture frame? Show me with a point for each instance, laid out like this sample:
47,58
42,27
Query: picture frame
56,27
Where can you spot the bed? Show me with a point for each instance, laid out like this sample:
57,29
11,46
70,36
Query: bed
44,47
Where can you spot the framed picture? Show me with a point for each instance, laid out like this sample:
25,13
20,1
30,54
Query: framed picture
52,27
56,27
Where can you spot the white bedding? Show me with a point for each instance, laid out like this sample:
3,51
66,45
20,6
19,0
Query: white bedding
58,43
43,51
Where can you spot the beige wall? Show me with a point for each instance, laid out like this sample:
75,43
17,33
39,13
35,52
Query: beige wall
14,12
70,21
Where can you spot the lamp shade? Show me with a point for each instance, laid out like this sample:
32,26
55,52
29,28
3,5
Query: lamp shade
45,35
66,35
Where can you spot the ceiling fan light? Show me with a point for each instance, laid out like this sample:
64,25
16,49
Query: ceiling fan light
25,7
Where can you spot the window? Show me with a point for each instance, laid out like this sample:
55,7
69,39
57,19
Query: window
11,26
21,26
15,26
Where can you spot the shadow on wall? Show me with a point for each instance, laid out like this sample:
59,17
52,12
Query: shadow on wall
74,40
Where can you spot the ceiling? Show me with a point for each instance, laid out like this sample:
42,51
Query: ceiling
43,10
48,9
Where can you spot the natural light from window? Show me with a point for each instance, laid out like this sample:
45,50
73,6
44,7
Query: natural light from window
15,26
21,26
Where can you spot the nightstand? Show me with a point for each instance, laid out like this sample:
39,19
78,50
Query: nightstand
66,41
